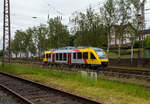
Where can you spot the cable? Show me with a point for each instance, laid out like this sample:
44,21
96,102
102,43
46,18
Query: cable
94,6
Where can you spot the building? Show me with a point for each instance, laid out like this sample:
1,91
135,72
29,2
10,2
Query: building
114,40
126,39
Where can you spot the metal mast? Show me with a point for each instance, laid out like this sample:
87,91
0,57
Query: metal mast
143,26
6,32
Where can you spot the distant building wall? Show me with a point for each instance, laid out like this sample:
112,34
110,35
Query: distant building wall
114,41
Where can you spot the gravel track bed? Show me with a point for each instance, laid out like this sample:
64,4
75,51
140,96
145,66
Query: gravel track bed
38,94
7,98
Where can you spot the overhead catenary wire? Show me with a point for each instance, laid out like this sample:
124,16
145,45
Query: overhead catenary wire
59,12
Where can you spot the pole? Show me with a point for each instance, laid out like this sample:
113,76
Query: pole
6,32
143,26
4,25
9,32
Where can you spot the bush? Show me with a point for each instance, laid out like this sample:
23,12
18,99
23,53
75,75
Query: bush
1,53
125,51
147,42
136,44
122,47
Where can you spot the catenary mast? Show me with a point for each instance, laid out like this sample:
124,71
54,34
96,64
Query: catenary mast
6,33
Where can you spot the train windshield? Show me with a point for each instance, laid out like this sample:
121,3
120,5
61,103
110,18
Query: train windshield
101,54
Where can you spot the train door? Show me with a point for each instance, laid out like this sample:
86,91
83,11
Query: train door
93,58
53,58
69,58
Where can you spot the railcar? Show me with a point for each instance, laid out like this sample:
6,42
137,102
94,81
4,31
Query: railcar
77,56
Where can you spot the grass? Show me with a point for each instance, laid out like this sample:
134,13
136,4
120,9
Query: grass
115,56
125,53
109,91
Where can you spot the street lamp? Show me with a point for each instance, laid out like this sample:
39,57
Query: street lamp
34,17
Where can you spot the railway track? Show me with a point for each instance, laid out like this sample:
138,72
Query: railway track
138,74
36,93
7,97
116,72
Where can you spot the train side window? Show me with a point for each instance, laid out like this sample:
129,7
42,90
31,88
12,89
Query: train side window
47,55
65,57
60,56
74,55
56,56
85,55
44,55
79,55
92,56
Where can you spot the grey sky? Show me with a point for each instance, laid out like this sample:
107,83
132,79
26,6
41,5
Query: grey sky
22,12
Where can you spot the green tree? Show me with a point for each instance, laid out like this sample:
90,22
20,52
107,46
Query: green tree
40,39
1,53
18,45
29,42
71,40
109,17
89,31
136,20
147,42
124,15
14,47
58,34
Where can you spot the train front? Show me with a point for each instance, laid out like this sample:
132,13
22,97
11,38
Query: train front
103,57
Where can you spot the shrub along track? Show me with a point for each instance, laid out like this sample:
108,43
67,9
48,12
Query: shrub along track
36,93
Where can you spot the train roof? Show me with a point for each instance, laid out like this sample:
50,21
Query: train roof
71,48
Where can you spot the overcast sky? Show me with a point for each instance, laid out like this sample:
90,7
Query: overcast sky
22,12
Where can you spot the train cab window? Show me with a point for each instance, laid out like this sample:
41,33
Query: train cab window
56,56
64,56
79,55
60,56
85,55
92,56
74,55
47,55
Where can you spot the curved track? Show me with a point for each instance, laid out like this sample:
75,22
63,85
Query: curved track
36,93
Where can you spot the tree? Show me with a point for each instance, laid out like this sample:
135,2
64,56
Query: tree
71,40
137,4
132,34
18,45
23,43
1,53
124,15
147,42
14,47
29,42
58,34
89,31
40,39
109,17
